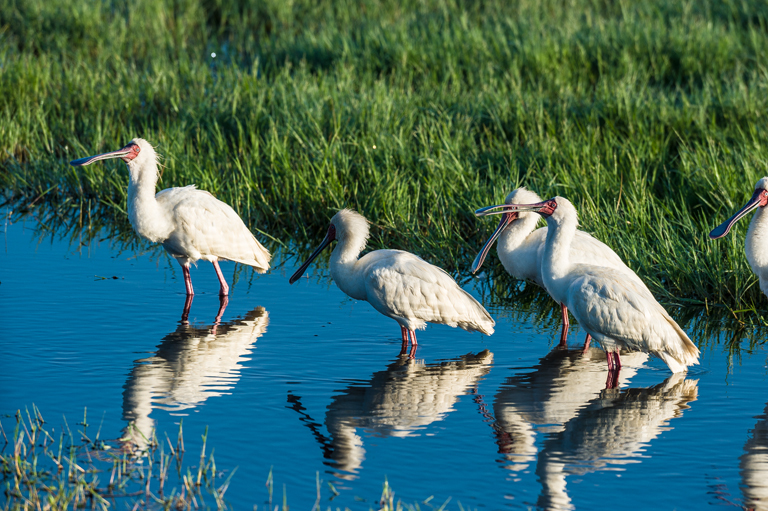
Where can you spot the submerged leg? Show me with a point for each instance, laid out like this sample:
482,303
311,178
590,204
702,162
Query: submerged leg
224,291
564,333
187,278
609,358
612,381
223,302
185,312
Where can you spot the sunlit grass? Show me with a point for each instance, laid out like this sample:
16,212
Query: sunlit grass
45,469
649,116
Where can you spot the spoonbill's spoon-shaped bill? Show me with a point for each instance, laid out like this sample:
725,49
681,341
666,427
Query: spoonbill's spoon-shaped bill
754,244
508,214
190,223
127,153
758,200
545,208
329,237
398,284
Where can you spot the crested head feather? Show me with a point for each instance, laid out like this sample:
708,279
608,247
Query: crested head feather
147,153
522,196
565,209
351,225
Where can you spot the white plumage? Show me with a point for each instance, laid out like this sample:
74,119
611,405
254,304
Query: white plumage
191,224
521,246
398,284
756,244
616,310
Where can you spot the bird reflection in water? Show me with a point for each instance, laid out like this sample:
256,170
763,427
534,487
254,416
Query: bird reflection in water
561,385
586,427
754,466
397,402
191,364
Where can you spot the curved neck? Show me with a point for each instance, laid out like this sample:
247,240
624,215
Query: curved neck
145,214
757,237
511,239
556,261
514,235
344,267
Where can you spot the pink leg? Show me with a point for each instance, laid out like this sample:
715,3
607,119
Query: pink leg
224,291
616,360
609,358
412,335
404,337
187,279
586,343
566,325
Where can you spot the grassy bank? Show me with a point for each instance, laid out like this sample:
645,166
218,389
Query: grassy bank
649,116
45,469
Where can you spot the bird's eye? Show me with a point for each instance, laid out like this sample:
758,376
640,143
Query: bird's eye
136,149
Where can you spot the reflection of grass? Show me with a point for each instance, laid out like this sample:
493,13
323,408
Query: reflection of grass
648,115
40,469
708,324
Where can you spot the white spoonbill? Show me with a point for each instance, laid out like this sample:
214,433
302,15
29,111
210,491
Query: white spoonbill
398,284
521,246
614,309
755,245
191,224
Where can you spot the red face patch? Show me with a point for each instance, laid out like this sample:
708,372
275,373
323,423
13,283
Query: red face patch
134,151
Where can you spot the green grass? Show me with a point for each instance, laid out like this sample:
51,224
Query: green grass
649,116
43,469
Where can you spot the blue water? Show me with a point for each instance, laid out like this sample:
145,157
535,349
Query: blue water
303,380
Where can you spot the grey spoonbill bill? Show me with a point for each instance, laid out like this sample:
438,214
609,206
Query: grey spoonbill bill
521,245
398,284
618,311
191,224
755,246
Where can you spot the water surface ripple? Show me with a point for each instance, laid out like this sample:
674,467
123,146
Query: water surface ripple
301,380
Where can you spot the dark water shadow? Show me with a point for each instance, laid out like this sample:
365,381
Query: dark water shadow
400,401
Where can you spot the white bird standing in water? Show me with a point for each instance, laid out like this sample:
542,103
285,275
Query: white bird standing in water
398,284
521,247
756,246
614,309
191,224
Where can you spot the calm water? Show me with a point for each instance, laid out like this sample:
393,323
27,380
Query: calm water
301,379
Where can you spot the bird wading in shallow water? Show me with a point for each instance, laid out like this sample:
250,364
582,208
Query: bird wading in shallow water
521,246
614,309
191,224
756,244
398,284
